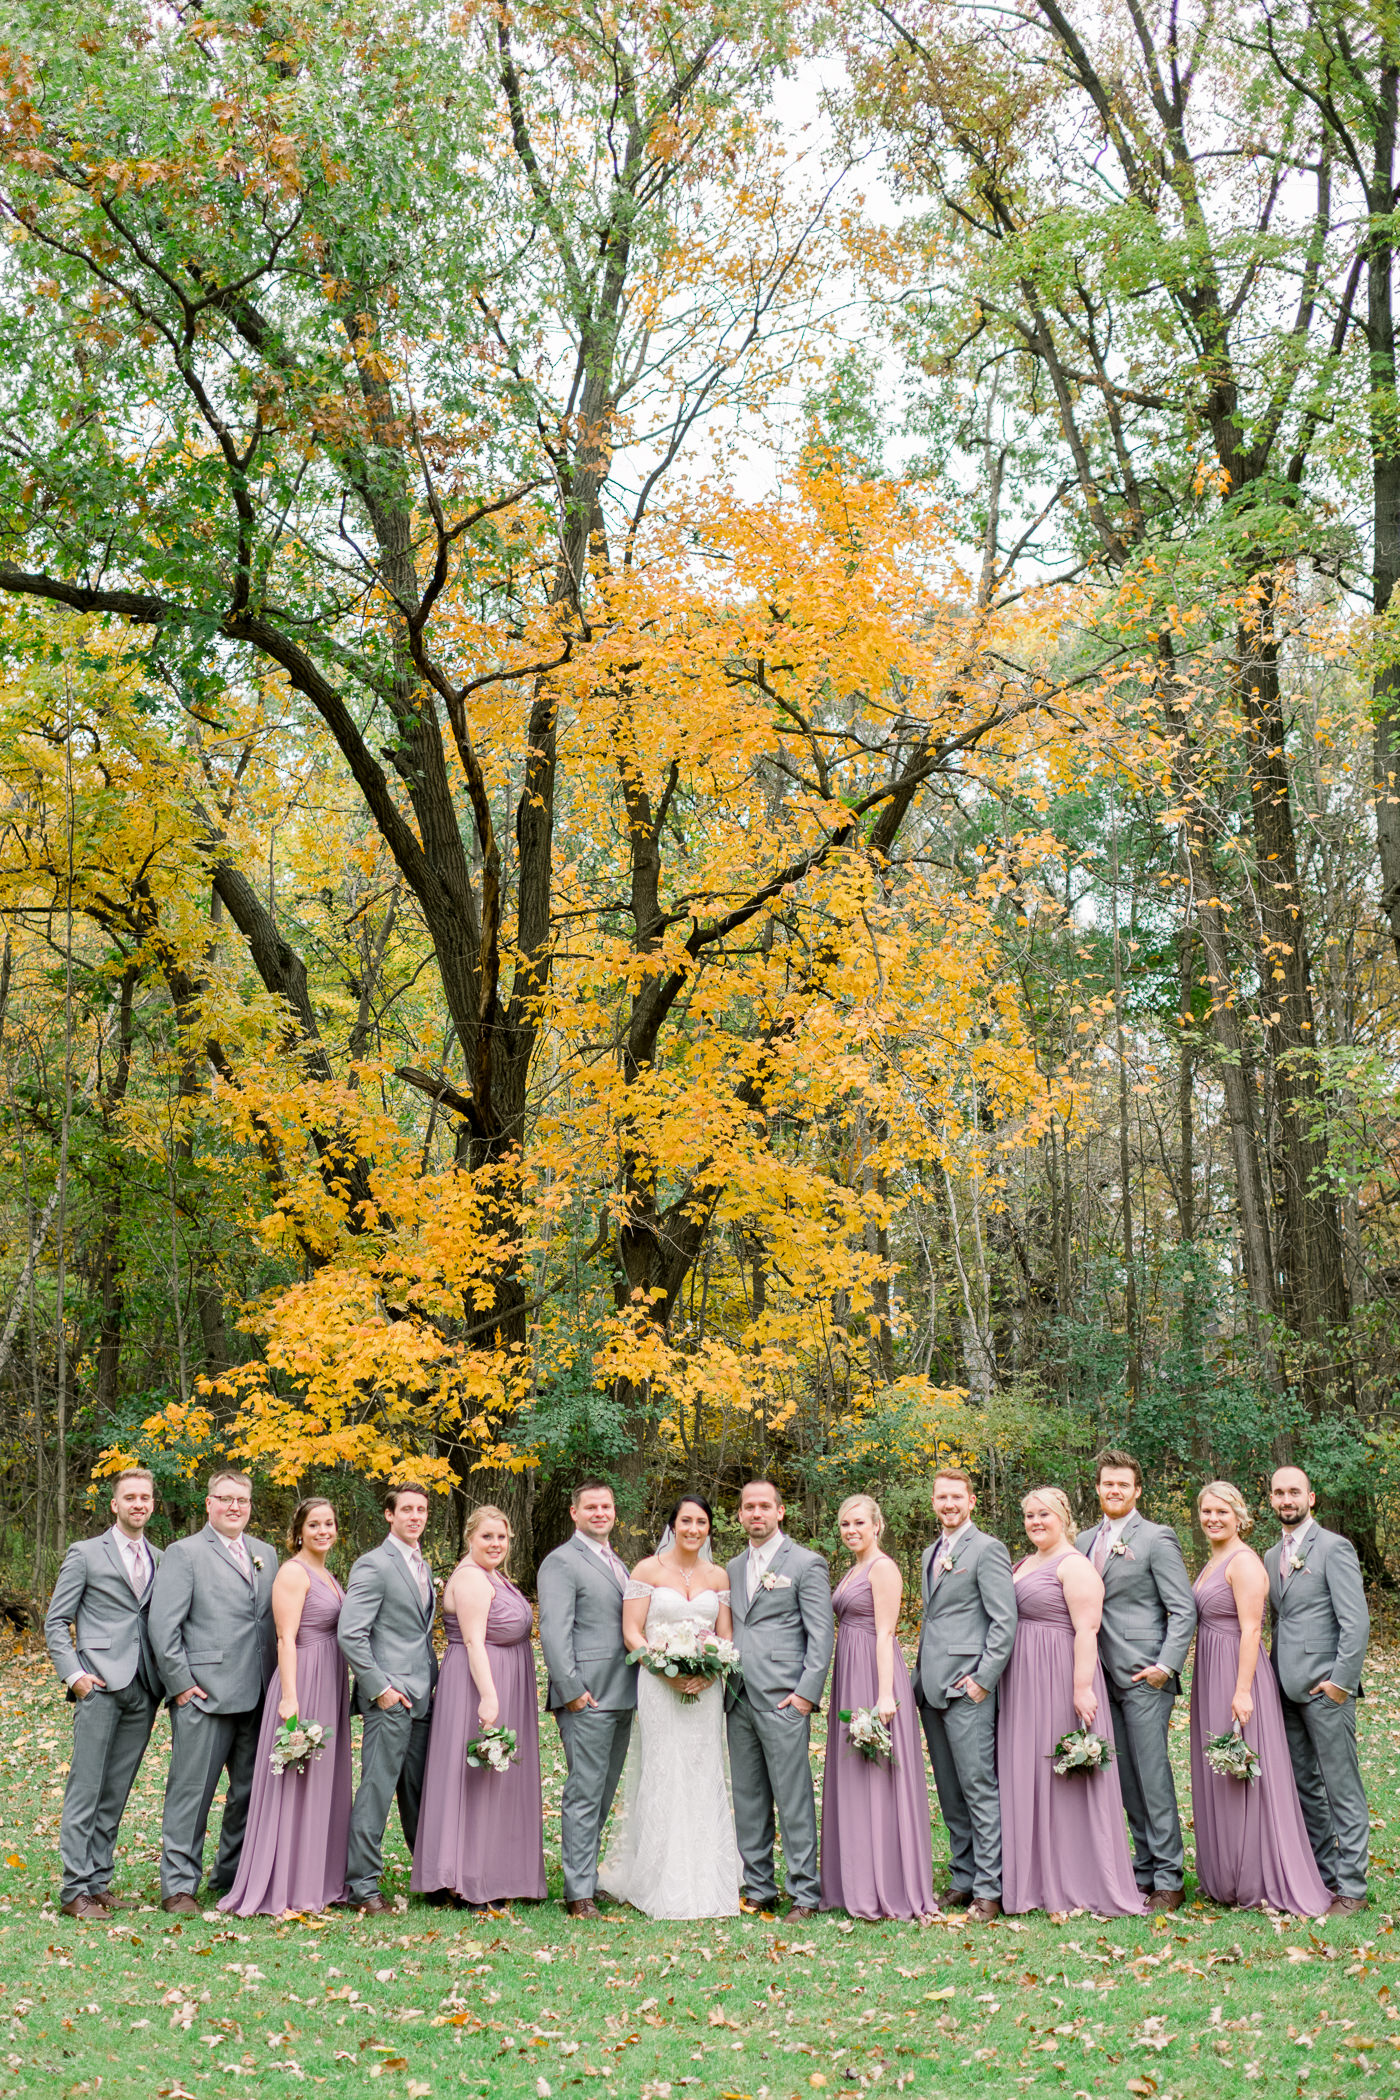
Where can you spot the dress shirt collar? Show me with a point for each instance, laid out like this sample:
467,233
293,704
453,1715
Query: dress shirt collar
1293,1540
761,1557
1116,1526
135,1553
412,1553
599,1546
949,1541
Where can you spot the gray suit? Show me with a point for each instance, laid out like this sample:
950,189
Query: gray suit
580,1599
1321,1628
111,1727
211,1625
1149,1616
386,1635
968,1628
785,1637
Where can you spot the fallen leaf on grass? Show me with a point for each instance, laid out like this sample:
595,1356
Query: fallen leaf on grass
12,1859
1142,2085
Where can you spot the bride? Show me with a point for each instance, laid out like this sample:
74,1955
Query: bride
672,1853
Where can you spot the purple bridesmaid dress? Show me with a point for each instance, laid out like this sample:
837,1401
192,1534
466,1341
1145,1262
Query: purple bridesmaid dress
877,1850
481,1833
1251,1842
1064,1840
293,1855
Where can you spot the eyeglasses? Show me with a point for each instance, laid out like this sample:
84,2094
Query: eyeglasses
233,1501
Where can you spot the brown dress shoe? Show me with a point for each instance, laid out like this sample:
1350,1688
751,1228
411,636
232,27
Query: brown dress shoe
1345,1907
84,1908
374,1906
954,1899
180,1906
585,1907
983,1910
801,1912
1165,1899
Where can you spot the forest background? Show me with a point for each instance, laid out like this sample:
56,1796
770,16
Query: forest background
687,792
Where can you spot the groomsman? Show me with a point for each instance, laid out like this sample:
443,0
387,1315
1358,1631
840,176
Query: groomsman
1149,1616
592,1692
215,1647
1321,1627
98,1643
386,1635
965,1641
780,1598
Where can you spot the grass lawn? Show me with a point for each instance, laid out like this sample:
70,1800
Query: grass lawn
532,2003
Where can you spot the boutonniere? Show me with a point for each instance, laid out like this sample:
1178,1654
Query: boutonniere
1120,1550
257,1563
769,1581
1297,1564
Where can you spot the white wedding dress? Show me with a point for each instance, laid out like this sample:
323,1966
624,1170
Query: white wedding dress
672,1852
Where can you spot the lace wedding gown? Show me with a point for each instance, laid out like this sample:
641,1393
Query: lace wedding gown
672,1851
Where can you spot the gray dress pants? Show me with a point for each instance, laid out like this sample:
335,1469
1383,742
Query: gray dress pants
202,1747
110,1734
393,1756
1322,1746
962,1748
595,1747
770,1766
1141,1717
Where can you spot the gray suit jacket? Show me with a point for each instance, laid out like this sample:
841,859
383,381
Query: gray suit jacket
211,1625
580,1603
969,1620
385,1633
1320,1624
784,1635
1149,1611
93,1597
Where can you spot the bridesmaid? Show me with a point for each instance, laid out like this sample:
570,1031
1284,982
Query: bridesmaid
1064,1841
481,1833
877,1851
293,1854
1252,1845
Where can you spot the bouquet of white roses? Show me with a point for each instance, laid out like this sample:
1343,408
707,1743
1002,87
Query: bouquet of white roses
1081,1751
688,1650
494,1750
296,1743
866,1732
1231,1756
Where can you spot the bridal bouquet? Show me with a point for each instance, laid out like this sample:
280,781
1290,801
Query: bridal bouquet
1231,1756
494,1750
866,1732
1081,1751
296,1743
688,1651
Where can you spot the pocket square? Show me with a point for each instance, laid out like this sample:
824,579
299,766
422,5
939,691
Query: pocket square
770,1581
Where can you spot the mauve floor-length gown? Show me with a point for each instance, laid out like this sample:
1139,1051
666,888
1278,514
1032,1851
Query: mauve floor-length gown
1251,1842
293,1855
877,1847
1064,1840
481,1833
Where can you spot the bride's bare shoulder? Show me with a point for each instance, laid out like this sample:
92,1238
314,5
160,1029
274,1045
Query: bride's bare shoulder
647,1570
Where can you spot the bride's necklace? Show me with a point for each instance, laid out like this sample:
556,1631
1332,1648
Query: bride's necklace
686,1574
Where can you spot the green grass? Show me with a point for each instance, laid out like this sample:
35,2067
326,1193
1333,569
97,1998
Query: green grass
1204,2003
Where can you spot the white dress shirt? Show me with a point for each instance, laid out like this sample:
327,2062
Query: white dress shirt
604,1552
948,1544
761,1558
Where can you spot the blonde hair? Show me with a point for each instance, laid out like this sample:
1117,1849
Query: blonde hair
868,1507
1225,1491
1056,1499
478,1518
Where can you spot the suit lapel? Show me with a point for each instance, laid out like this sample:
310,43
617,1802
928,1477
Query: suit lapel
964,1547
407,1573
221,1553
598,1564
114,1555
775,1565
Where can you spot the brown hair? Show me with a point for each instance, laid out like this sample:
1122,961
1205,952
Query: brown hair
227,1476
300,1515
405,1487
478,1517
135,1473
1116,1462
761,1480
957,1473
590,1487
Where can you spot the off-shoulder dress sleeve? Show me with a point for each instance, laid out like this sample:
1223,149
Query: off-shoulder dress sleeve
636,1589
723,1596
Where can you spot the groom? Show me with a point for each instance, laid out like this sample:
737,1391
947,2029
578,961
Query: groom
780,1598
592,1692
1321,1627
